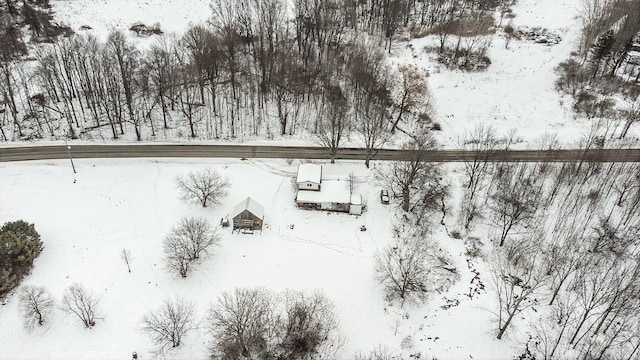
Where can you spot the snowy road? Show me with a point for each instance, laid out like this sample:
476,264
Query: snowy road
291,152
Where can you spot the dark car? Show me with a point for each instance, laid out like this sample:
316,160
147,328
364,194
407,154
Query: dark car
384,196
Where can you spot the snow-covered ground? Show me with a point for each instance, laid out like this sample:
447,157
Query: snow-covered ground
517,91
102,16
132,204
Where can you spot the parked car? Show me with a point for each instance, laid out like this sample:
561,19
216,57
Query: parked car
384,196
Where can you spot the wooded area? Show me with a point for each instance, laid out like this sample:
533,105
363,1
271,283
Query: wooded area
257,68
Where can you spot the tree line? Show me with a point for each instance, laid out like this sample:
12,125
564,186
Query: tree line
256,68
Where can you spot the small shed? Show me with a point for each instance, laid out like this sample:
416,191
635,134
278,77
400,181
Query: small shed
247,215
309,177
355,208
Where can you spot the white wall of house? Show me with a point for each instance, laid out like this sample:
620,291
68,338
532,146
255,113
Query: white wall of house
308,185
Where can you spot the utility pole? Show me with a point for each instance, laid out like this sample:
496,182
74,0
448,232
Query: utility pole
70,159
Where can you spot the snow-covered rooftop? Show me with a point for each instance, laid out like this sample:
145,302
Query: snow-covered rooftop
309,173
334,191
248,204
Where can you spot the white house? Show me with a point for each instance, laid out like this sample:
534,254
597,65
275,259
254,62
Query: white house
309,177
315,191
334,195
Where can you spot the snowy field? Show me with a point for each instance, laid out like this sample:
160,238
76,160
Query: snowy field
106,15
132,204
517,90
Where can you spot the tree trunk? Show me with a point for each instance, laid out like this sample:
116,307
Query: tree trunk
406,199
504,327
555,346
575,334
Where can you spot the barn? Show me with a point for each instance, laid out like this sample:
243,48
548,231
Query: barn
248,215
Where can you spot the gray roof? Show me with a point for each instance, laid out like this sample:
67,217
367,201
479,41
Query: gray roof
248,204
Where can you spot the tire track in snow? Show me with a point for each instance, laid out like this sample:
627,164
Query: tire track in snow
270,168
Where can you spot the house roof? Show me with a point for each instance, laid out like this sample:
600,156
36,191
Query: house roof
356,199
309,173
248,204
335,191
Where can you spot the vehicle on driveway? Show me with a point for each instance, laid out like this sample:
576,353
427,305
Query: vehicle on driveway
384,196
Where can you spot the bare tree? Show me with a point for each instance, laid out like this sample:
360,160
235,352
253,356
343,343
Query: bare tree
125,255
563,260
168,324
36,305
257,324
81,302
196,235
412,177
632,115
393,11
334,123
403,270
517,196
411,95
205,187
241,324
552,330
126,58
518,273
309,327
161,65
189,242
601,287
482,143
176,258
370,82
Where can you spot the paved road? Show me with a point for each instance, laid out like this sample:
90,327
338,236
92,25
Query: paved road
290,152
